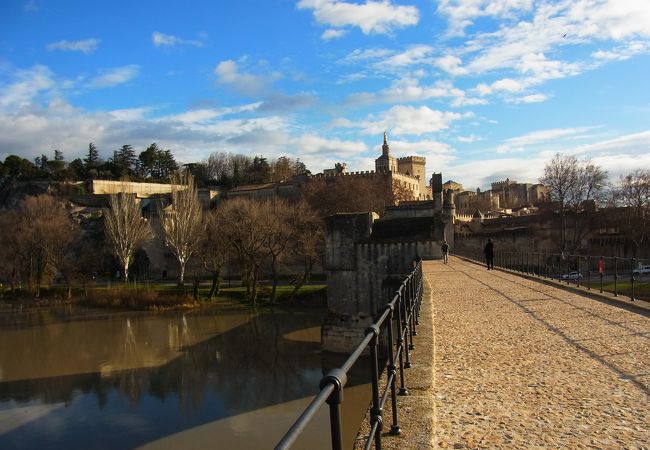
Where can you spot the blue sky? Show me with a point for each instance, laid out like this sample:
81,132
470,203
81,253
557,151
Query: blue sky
484,89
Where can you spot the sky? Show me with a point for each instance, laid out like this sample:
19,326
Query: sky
485,90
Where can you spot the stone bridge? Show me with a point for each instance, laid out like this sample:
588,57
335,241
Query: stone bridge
502,362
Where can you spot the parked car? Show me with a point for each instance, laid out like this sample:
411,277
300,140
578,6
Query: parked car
643,270
573,275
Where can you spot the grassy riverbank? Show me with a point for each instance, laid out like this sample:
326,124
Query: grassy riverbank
160,297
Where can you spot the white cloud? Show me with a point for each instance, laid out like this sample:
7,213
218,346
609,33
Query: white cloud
418,54
408,89
532,98
367,54
462,13
404,120
504,84
191,135
482,172
469,139
623,52
115,76
437,153
544,136
524,43
27,85
318,145
371,17
332,33
85,46
635,144
619,156
167,40
228,73
451,64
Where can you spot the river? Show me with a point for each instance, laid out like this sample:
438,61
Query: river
87,379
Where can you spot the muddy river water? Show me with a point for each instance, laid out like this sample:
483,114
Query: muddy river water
85,379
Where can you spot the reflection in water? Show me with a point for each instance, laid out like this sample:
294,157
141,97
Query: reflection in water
202,379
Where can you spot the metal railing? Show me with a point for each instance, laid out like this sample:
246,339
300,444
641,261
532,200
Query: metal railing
404,311
613,274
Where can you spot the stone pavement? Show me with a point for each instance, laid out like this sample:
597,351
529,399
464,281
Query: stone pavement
521,364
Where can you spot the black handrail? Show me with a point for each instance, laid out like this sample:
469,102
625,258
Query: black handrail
569,268
406,303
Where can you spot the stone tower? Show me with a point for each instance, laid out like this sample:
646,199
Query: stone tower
448,215
385,163
415,167
436,190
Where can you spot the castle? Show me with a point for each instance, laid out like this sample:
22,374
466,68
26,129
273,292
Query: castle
407,173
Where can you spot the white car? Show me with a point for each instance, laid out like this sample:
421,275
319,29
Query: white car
643,270
573,275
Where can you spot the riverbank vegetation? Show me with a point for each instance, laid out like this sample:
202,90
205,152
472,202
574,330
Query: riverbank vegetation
161,297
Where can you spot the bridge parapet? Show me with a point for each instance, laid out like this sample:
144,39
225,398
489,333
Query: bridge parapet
363,274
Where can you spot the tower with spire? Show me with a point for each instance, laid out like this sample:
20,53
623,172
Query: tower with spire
385,163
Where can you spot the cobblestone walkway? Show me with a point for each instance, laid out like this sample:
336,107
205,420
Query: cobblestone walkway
520,364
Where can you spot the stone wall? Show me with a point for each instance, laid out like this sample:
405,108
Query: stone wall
363,275
140,189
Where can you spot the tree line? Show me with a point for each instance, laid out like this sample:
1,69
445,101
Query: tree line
577,186
151,164
39,240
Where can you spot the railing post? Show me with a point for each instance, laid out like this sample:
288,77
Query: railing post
578,274
405,332
391,372
375,412
409,317
400,343
338,378
602,273
632,277
568,270
615,276
589,272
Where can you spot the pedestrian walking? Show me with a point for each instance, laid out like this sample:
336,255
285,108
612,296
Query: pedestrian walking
489,254
445,252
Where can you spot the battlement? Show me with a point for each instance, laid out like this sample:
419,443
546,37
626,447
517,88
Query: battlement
346,174
496,185
413,159
364,173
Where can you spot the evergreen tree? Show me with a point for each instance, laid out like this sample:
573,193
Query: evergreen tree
146,165
92,159
124,160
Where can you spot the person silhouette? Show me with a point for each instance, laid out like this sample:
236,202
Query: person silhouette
488,251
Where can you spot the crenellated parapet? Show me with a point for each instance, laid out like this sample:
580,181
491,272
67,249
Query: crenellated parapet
412,159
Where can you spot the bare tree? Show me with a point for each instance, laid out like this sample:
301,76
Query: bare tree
10,247
35,236
349,194
247,232
125,228
574,185
281,228
309,241
633,193
182,223
215,248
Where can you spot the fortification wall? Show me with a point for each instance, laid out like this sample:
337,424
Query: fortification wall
140,189
362,276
